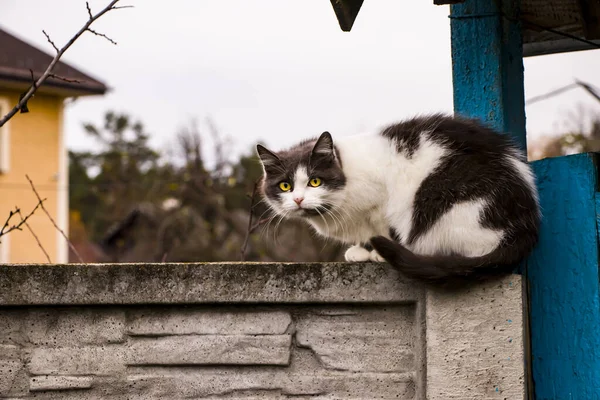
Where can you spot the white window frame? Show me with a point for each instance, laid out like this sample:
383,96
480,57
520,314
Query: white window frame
62,200
4,138
5,249
4,168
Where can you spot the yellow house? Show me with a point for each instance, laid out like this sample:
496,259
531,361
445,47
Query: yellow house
33,144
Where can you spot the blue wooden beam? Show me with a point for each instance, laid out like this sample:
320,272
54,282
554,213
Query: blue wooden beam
487,64
561,276
563,280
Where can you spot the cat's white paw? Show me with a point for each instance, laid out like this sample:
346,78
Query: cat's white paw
375,257
357,254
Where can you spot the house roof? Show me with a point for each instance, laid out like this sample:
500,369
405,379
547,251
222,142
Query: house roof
542,22
18,59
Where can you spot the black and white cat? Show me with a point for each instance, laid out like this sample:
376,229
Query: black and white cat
438,197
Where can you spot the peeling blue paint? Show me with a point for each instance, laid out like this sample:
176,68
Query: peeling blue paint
563,282
487,65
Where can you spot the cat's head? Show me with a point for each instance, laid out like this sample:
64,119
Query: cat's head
304,181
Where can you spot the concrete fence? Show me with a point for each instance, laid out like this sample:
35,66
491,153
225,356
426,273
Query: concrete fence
250,331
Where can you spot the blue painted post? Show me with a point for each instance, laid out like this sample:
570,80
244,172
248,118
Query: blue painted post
487,64
561,275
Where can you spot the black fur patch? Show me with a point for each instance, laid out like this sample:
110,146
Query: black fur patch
475,168
448,271
394,235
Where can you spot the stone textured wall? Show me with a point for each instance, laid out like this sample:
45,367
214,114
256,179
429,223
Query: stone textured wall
250,331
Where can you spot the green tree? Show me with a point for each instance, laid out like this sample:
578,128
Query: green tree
123,172
580,138
139,206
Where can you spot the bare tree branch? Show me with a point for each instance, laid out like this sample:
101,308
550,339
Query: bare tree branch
588,88
64,79
221,146
22,104
258,223
89,10
50,41
551,94
251,227
24,222
35,237
54,223
102,35
7,228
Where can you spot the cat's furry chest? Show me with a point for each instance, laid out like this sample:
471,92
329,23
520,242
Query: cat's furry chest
363,209
353,228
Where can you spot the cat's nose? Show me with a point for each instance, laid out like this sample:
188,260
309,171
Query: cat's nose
298,200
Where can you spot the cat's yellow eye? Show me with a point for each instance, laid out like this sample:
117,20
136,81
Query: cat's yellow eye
315,182
285,186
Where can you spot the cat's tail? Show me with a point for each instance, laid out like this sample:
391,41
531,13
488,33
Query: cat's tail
446,270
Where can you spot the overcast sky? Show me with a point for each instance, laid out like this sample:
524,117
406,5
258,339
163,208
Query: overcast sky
275,70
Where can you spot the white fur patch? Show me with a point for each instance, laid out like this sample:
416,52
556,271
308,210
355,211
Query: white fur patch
313,196
357,254
299,183
405,178
301,177
459,231
525,172
375,257
359,209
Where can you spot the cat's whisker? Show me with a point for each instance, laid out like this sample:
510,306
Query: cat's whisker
265,228
264,212
273,225
337,219
342,218
283,216
264,232
326,224
330,236
272,232
346,224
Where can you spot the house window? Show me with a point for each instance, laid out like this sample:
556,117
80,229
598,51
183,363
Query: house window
4,138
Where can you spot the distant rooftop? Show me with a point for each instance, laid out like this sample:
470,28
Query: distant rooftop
18,59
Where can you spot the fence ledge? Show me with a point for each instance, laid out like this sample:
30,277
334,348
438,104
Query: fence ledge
202,283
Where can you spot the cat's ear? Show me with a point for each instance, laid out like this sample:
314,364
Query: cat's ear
267,157
324,145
